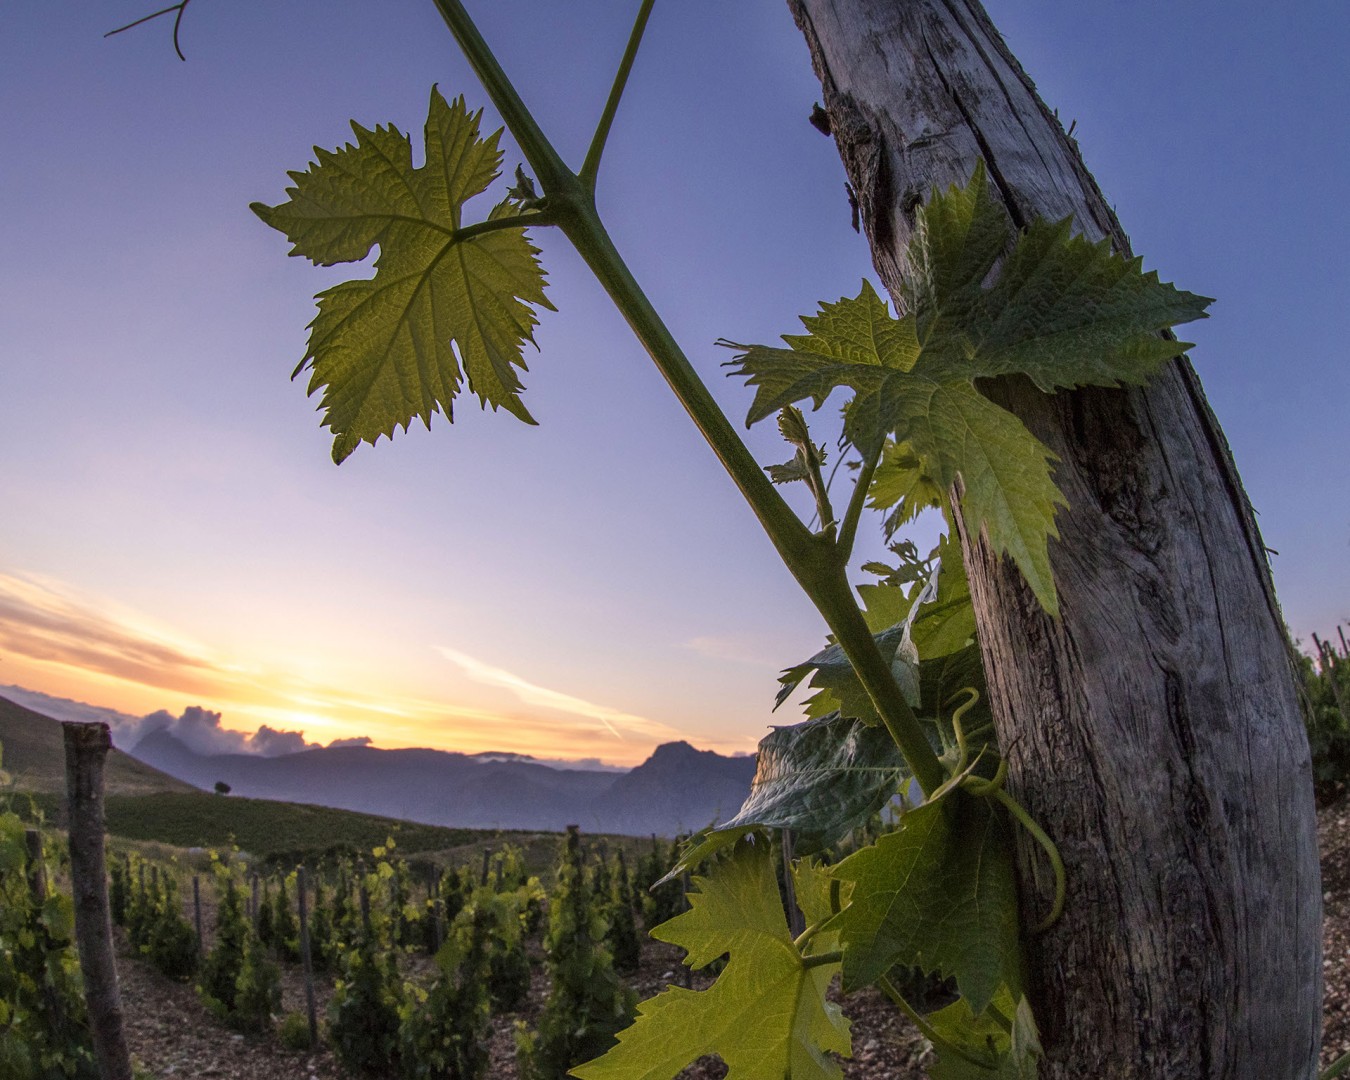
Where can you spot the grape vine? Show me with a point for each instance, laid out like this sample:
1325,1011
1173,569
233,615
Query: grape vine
899,696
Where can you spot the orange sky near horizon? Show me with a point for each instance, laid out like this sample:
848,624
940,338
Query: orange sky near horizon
57,642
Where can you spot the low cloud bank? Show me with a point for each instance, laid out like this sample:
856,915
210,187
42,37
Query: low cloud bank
196,728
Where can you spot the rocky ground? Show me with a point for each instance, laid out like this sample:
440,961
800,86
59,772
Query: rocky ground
172,1034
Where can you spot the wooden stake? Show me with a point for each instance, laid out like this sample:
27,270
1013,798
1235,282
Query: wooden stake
305,959
87,746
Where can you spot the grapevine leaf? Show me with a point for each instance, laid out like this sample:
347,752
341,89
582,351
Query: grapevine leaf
833,674
981,1047
1063,311
901,482
946,624
821,779
395,347
766,1016
937,894
883,605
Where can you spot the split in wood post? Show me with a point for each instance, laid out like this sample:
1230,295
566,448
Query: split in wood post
305,959
86,747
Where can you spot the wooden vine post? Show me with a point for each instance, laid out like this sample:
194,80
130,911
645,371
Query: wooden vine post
1153,729
306,960
87,746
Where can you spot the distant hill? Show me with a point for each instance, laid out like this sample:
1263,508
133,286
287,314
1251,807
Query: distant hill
35,755
677,790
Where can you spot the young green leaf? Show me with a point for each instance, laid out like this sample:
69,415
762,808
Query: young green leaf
900,482
938,894
766,989
982,1047
389,349
821,778
1062,310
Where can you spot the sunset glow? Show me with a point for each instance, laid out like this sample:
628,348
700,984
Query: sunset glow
174,534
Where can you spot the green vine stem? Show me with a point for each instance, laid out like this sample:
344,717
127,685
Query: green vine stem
1047,845
848,529
814,561
590,168
804,938
1339,1067
925,1028
821,959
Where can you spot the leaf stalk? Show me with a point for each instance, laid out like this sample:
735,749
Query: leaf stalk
590,168
848,528
925,1028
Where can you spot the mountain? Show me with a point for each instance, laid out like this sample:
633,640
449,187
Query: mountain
677,789
35,756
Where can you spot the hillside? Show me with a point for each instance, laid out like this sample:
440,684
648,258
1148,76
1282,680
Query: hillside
35,756
678,789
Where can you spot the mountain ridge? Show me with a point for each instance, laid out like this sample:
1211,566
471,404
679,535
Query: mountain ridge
677,790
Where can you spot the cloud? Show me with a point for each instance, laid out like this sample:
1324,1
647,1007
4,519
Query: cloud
197,728
40,620
200,730
359,740
619,724
270,742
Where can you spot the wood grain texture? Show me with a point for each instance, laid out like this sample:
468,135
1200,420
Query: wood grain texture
1154,728
87,747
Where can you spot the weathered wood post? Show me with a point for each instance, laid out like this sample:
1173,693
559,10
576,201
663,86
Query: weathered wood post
305,960
87,746
487,854
1153,728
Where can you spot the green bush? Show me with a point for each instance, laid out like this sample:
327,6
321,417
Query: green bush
257,991
223,965
444,1031
363,1017
586,1006
293,1032
1326,700
44,1033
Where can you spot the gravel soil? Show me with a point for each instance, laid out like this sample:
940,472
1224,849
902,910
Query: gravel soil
172,1035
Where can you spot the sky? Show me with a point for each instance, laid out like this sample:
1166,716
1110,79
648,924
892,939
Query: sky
175,536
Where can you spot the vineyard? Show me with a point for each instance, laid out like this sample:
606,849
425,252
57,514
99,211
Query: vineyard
393,966
453,963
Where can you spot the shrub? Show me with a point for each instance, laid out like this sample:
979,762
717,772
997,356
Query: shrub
293,1032
363,1017
586,1005
445,1029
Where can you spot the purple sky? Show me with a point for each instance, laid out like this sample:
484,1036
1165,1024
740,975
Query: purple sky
175,534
